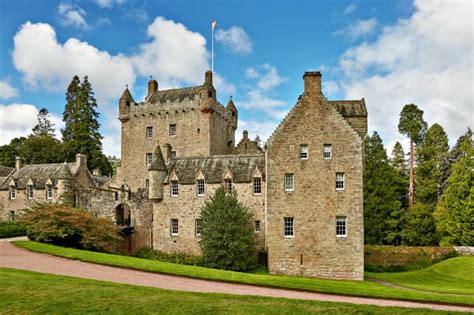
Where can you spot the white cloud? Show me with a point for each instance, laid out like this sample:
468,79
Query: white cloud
17,120
359,28
251,73
108,3
426,59
235,39
350,8
223,86
72,15
7,91
263,129
270,79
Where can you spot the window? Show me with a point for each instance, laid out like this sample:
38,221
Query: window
174,188
327,148
30,191
174,227
12,193
49,192
339,181
341,226
209,93
200,187
149,132
228,185
304,152
147,183
289,182
257,226
11,215
148,158
116,195
257,186
288,227
172,130
198,227
173,154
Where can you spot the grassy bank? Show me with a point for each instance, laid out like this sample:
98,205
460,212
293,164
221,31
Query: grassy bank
25,292
357,288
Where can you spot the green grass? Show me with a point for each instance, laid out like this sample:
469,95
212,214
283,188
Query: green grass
25,292
455,276
356,288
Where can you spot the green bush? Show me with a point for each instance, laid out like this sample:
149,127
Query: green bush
178,258
70,227
404,258
11,229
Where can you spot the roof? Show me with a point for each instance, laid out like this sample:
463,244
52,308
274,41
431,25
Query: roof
100,180
158,162
5,171
353,108
174,94
39,173
213,168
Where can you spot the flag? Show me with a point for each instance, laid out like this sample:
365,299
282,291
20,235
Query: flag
214,25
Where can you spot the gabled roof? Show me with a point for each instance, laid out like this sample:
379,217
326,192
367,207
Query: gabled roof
39,173
353,108
174,94
5,171
213,168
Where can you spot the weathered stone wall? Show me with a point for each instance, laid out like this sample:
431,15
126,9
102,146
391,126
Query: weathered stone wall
21,202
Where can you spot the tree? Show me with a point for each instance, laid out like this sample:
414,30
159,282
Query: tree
411,123
42,149
455,212
44,126
227,238
81,132
383,212
398,160
9,152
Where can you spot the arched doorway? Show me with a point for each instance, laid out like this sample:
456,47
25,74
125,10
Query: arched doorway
122,215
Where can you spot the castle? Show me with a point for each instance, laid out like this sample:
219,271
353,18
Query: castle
304,188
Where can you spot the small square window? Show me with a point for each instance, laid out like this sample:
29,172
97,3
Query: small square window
341,226
49,192
11,215
148,158
12,193
149,132
288,228
198,225
174,227
172,130
339,181
174,188
200,187
304,152
173,154
289,182
327,151
257,186
257,226
228,185
30,191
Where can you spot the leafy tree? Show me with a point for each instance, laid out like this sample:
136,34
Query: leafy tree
411,123
227,238
383,212
42,149
44,126
398,160
81,133
8,152
455,212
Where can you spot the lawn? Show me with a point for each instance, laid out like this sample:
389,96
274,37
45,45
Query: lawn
356,288
24,292
455,276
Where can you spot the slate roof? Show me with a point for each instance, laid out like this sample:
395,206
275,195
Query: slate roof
5,171
355,108
39,173
213,168
158,162
174,94
100,180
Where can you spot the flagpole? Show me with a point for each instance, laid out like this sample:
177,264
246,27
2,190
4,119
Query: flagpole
212,48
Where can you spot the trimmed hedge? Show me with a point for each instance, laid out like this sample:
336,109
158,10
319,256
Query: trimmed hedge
11,229
177,258
404,258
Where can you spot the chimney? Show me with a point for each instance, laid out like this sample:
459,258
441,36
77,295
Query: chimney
81,161
208,77
167,155
152,86
96,172
245,135
312,83
19,162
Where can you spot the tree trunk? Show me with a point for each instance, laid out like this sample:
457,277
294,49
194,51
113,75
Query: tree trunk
410,189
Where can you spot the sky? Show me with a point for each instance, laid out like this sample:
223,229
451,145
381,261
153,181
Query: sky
390,53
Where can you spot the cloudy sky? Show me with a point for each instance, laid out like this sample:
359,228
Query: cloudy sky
389,52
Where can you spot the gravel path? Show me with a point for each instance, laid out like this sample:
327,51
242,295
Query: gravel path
14,257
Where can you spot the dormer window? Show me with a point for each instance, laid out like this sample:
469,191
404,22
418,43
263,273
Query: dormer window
29,191
257,185
49,191
200,187
228,185
12,193
174,188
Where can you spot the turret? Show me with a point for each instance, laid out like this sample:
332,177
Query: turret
208,93
64,177
126,100
156,175
152,88
235,114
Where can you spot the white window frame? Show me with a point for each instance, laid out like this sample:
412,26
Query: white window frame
304,152
172,130
198,227
341,226
200,187
148,158
228,185
174,228
289,225
257,186
289,182
257,226
49,191
13,193
30,191
327,151
149,132
174,188
340,181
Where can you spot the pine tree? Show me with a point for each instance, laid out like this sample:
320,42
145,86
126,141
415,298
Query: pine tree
398,160
44,126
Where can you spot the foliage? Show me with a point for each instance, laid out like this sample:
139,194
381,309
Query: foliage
42,149
227,238
411,123
398,160
81,131
177,258
44,127
403,258
69,227
455,213
11,229
8,152
114,163
420,229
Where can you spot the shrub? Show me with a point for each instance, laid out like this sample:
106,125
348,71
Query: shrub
177,258
11,229
404,258
227,238
70,227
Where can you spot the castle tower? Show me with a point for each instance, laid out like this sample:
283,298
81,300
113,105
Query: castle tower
126,100
207,94
234,113
157,171
64,185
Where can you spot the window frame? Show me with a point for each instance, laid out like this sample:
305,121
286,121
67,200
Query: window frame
200,183
286,182
13,193
198,227
288,225
172,130
172,227
49,191
148,158
341,225
228,185
325,146
257,226
174,188
304,150
257,182
338,181
30,191
149,132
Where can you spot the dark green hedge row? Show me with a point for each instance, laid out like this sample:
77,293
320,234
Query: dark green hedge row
404,258
11,229
178,258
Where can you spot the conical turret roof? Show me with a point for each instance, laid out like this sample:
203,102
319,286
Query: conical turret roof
231,105
64,172
126,95
158,162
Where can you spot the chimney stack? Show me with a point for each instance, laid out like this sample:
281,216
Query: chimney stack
19,162
152,86
208,77
312,82
167,155
81,161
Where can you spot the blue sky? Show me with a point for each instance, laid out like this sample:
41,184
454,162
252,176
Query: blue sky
389,52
